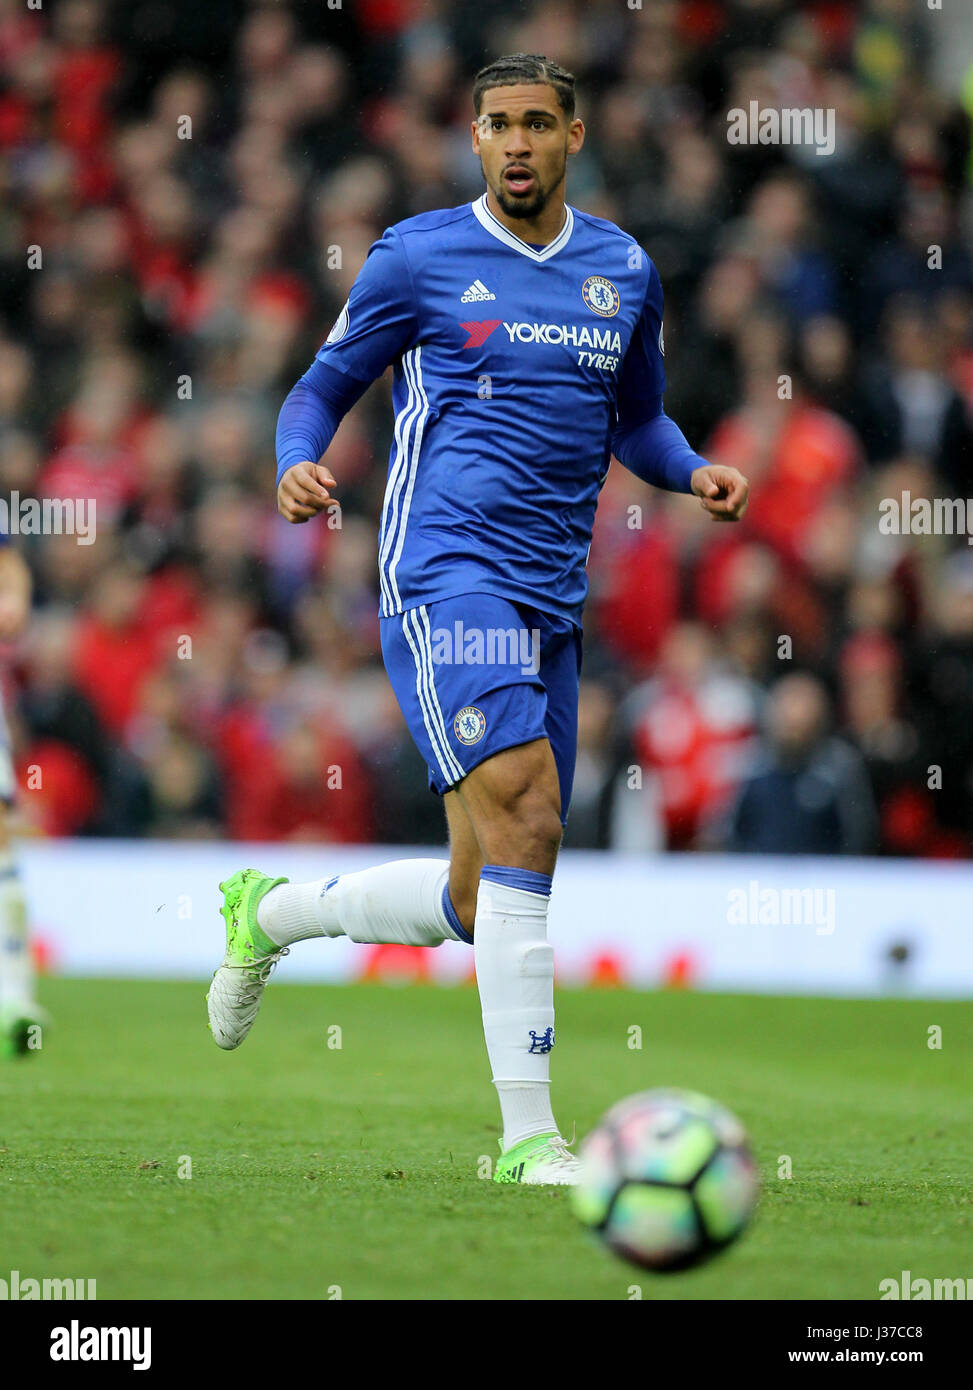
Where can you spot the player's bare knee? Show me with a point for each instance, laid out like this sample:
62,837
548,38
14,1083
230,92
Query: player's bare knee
526,831
528,790
541,828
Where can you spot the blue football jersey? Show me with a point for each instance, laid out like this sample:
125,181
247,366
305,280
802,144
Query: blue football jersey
512,366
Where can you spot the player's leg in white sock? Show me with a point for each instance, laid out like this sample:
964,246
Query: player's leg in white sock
513,802
16,967
406,901
515,977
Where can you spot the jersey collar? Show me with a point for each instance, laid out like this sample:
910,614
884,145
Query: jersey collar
490,224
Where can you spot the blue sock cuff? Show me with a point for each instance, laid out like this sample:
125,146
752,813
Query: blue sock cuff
452,918
525,879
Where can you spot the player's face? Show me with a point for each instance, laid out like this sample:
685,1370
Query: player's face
523,139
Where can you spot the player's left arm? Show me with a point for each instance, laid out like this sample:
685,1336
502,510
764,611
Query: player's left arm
648,442
15,591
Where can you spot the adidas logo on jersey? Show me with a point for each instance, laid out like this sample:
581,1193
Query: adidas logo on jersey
476,292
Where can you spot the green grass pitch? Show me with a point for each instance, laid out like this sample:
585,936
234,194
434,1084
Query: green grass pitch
316,1167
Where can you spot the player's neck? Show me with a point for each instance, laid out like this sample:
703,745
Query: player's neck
540,230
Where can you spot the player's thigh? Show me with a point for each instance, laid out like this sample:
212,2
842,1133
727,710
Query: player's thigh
467,699
466,679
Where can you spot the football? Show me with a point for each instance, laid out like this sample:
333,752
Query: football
667,1179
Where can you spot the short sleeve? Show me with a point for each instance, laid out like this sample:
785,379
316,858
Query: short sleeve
379,320
642,379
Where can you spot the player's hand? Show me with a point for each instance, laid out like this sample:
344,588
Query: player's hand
723,492
303,492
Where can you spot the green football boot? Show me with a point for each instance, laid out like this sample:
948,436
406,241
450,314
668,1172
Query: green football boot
238,985
542,1159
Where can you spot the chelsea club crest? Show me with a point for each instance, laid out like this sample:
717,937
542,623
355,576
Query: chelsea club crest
601,296
469,726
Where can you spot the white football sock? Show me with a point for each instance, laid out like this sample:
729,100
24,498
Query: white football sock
406,901
16,967
288,913
515,977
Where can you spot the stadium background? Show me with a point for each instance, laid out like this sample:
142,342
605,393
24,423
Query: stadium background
222,260
361,1168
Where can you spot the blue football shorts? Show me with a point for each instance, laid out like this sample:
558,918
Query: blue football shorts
476,674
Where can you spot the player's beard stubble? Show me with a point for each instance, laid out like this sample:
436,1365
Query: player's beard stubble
532,205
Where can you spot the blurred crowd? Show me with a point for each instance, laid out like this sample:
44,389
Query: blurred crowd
203,183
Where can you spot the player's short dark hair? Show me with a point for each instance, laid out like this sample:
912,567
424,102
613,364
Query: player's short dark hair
517,68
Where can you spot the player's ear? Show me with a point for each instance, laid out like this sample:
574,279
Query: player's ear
575,136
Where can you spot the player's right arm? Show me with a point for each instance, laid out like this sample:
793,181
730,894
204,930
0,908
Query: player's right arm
377,324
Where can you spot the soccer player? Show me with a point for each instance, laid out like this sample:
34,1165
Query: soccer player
526,339
19,1011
